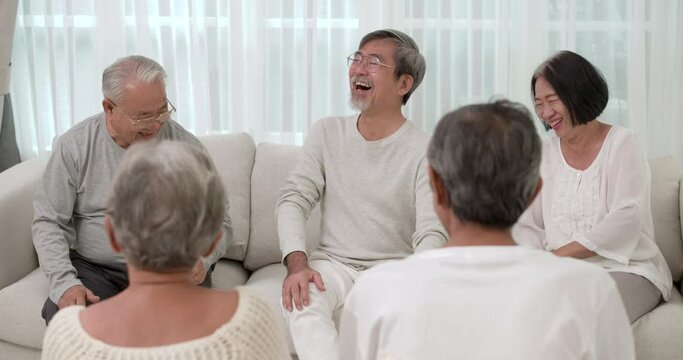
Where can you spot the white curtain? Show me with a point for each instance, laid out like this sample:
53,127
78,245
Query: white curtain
271,68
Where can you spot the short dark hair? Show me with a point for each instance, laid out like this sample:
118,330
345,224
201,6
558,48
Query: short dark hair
488,158
406,56
579,85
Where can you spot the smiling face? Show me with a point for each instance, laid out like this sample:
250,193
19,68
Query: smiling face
550,108
139,100
380,89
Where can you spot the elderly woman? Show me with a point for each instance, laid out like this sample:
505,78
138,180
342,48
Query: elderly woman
595,202
165,212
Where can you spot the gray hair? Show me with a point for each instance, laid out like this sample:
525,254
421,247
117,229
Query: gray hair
407,56
488,157
166,205
124,71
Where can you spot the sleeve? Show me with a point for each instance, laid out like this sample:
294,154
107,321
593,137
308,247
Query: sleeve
52,227
628,189
530,229
359,330
429,232
302,191
613,334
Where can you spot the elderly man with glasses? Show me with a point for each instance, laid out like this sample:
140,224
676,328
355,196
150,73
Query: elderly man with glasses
369,173
70,202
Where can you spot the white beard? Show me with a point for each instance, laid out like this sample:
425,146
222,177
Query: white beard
359,104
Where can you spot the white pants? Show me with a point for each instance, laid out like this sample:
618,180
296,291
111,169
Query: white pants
313,329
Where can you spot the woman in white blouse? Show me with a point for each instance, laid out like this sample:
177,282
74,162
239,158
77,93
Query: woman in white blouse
165,211
595,202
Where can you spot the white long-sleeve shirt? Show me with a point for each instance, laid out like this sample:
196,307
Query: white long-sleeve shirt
485,302
605,208
375,196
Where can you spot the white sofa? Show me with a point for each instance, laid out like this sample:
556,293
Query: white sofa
253,176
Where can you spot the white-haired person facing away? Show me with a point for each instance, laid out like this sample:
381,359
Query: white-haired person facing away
481,296
164,211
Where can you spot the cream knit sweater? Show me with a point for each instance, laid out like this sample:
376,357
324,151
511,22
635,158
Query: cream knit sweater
252,333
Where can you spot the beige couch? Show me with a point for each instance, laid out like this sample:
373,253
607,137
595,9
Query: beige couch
253,176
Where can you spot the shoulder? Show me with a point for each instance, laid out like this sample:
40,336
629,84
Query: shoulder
622,137
81,132
334,124
64,325
623,149
416,138
174,131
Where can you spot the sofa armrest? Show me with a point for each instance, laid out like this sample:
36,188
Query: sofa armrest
17,185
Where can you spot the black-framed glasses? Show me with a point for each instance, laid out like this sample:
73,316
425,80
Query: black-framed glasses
371,62
161,117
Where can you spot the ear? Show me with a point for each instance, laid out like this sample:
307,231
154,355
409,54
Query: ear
214,243
438,188
109,228
539,186
107,106
405,83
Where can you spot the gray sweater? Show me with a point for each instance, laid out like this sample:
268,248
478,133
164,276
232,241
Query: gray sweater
70,201
375,196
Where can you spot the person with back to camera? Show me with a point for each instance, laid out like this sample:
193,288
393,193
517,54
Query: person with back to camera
481,296
164,212
595,204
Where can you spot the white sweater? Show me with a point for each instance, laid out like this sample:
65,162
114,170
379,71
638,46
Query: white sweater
375,196
605,208
252,333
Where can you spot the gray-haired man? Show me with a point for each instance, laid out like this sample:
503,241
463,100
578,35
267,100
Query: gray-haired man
369,173
70,202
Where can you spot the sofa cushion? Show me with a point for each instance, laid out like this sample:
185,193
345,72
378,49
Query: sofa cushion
666,212
10,351
21,304
233,155
228,274
17,253
272,166
658,332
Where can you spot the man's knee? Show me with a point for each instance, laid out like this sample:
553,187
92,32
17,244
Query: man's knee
49,310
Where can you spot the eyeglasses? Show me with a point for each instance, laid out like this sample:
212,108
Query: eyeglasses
141,121
371,63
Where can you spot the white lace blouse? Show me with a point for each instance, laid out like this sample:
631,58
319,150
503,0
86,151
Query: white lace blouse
605,208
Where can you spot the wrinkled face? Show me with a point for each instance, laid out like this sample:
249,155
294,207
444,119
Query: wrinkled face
550,109
139,101
375,87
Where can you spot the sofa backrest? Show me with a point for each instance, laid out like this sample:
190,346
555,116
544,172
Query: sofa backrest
272,166
233,155
667,206
254,177
17,185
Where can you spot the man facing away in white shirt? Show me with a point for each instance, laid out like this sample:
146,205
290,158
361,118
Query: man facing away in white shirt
481,296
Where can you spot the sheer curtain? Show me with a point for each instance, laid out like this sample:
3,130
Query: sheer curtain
272,68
